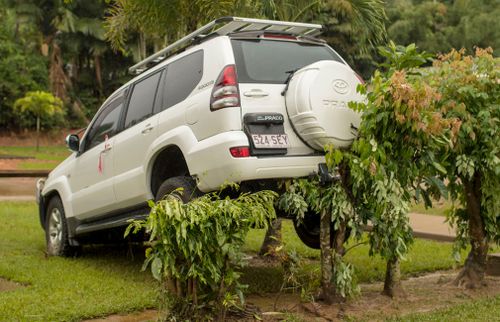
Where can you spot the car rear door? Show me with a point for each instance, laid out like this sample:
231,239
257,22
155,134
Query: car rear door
133,143
263,67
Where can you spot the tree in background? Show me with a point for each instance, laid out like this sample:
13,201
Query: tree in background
82,69
439,26
354,28
42,105
21,70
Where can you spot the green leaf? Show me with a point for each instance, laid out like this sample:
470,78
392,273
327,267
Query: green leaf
156,268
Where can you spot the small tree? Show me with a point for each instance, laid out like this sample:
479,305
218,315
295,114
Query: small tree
470,89
42,105
195,249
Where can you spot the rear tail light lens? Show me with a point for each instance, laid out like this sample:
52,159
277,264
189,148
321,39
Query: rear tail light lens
240,151
225,92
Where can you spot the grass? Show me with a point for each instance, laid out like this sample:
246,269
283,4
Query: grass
487,309
100,282
439,208
104,280
46,159
424,256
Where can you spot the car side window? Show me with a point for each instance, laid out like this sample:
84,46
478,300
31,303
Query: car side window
106,125
182,77
140,105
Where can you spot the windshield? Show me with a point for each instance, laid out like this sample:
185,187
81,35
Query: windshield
271,61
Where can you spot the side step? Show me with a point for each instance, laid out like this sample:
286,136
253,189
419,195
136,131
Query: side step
114,221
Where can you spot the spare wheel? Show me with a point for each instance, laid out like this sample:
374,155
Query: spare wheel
317,104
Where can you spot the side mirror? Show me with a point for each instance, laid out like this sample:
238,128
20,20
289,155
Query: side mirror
73,142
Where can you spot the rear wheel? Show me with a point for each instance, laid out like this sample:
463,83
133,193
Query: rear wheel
186,194
308,230
56,230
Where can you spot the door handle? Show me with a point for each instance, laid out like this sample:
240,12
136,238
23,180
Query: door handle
148,129
256,93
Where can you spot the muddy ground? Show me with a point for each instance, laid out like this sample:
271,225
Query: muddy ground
424,294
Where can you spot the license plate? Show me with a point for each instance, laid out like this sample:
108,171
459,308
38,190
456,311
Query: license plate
270,141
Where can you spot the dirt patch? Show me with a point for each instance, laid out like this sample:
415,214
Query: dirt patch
424,294
148,315
10,164
28,138
17,186
6,285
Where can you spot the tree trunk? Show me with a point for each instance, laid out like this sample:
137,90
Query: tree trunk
37,133
272,240
472,274
98,73
328,291
392,284
142,46
59,82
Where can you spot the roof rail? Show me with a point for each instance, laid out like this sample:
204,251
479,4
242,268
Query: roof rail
229,25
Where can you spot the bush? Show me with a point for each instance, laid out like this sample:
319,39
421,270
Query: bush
195,249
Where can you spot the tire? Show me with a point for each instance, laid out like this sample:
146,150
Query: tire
308,230
188,185
56,230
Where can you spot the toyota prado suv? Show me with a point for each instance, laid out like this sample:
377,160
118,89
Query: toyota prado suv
239,100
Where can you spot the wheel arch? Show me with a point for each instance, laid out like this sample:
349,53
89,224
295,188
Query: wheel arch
166,163
44,203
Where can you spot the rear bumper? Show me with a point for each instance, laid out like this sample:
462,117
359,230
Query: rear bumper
213,165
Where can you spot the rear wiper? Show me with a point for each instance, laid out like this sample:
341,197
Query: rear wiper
288,79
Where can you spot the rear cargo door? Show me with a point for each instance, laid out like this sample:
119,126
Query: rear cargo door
263,67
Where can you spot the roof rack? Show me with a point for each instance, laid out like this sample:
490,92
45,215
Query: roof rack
229,25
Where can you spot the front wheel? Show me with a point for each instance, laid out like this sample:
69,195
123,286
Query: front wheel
56,230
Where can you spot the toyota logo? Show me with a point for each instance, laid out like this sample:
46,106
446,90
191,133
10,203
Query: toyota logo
340,86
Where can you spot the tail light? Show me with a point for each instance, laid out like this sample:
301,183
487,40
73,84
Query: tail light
240,151
225,92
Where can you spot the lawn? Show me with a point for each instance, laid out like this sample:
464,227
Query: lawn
46,159
107,280
487,309
99,282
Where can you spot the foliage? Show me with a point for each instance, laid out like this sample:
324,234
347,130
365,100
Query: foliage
79,66
309,194
439,26
21,70
42,105
195,248
393,156
354,28
470,91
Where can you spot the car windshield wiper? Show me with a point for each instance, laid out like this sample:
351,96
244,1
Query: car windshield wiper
288,79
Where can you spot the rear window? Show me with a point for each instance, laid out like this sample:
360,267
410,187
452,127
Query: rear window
270,61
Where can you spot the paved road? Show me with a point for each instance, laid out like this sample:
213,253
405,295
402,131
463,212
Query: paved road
431,227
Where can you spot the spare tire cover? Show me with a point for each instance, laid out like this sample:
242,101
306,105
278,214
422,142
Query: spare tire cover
316,102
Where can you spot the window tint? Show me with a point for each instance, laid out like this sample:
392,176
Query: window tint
182,77
143,94
106,124
268,61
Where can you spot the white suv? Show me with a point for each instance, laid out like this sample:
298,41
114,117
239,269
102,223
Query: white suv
240,100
